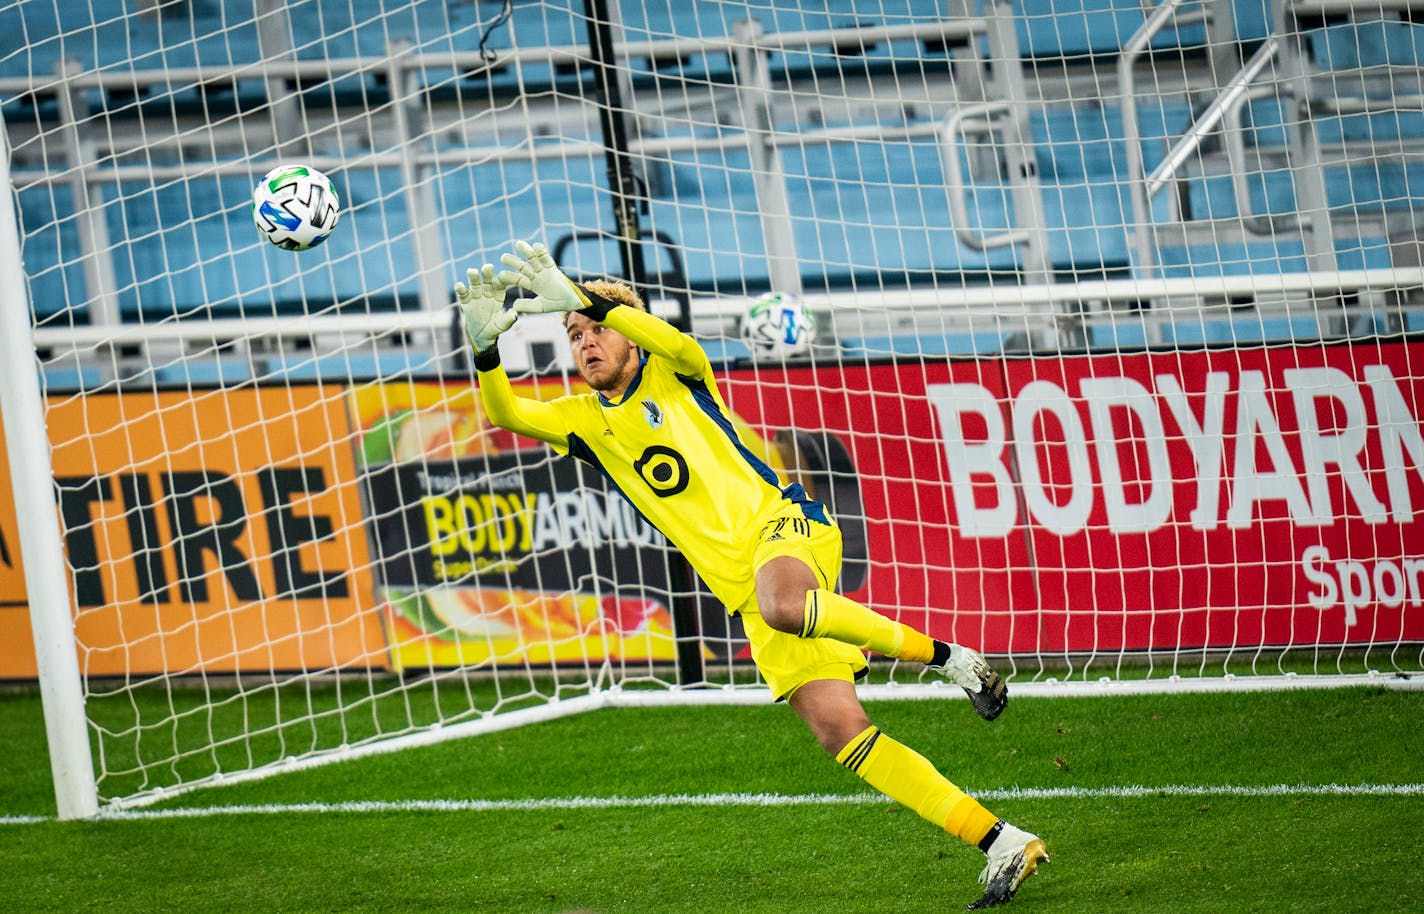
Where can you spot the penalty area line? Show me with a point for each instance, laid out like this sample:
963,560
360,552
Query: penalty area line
748,800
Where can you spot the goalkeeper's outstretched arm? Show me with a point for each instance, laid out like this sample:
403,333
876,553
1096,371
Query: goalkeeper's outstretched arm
650,333
506,409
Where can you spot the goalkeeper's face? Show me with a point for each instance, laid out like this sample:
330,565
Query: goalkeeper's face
605,358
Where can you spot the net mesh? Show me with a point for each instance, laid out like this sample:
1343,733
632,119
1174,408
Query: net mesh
1112,372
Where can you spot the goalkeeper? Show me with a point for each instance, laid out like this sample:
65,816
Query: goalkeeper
656,426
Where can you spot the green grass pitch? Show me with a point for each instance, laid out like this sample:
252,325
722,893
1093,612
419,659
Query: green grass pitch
1157,803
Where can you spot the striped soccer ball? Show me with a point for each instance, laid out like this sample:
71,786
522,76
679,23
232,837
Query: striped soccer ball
778,326
295,207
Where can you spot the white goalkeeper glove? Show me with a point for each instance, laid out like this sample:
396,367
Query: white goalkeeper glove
482,306
534,269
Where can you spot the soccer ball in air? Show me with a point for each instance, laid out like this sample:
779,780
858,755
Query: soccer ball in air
778,326
295,207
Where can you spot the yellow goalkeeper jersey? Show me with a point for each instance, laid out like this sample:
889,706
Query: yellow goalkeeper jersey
670,447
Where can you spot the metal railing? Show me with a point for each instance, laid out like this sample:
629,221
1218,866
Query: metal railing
85,165
962,123
1168,14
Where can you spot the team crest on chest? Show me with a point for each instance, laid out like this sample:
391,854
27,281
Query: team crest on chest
653,413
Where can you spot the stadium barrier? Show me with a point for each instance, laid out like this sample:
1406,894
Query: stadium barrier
1217,499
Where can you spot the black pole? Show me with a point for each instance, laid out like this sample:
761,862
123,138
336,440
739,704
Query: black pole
622,181
623,185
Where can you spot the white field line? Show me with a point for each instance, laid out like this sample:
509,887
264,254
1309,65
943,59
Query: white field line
727,696
748,799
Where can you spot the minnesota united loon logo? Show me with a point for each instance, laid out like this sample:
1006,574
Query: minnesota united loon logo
653,412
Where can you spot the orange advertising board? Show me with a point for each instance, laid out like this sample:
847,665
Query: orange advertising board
210,531
16,646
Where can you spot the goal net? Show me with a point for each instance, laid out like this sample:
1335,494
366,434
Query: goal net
1103,348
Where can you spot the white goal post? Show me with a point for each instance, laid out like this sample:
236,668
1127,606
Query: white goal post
1117,373
32,481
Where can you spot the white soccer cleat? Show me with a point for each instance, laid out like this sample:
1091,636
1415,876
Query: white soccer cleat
970,671
1014,856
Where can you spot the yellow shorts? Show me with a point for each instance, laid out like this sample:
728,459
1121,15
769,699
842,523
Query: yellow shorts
787,662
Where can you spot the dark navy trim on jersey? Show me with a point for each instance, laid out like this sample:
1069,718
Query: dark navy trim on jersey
632,386
812,509
794,493
708,403
702,396
581,451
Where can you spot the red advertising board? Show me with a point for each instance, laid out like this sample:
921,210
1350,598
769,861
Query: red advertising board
1212,498
918,568
1155,500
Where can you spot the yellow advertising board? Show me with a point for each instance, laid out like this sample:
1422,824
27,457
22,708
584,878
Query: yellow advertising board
491,550
208,531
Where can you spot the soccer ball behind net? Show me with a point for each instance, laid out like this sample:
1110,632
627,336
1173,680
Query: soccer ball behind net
295,207
778,326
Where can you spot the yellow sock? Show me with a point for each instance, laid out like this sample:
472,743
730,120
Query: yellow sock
907,777
830,615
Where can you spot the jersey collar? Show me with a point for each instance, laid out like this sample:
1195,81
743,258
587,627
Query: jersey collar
632,386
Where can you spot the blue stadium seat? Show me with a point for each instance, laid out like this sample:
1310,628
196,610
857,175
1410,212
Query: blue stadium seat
1251,19
1267,120
1269,257
1213,197
881,207
327,29
1117,334
485,207
101,33
1082,158
67,378
51,253
724,351
1256,258
190,249
1086,140
1252,328
1363,253
1368,43
978,342
204,373
858,209
108,34
347,365
1087,226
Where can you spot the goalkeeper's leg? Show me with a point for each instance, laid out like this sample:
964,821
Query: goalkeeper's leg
816,677
834,713
792,601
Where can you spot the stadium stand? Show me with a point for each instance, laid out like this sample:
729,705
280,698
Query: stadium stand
890,220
